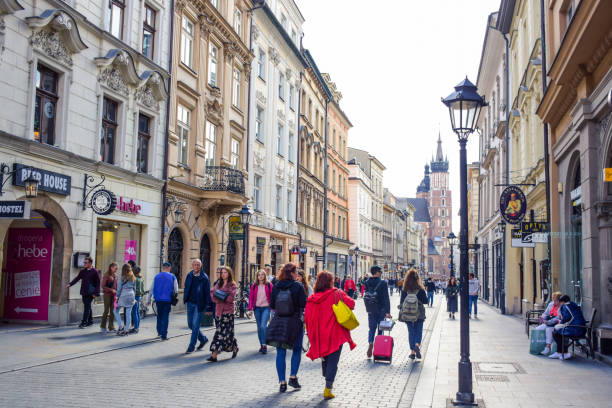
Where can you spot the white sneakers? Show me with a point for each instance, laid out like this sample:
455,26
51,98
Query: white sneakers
555,355
560,356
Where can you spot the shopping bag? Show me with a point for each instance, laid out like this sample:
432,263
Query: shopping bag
537,341
386,325
345,315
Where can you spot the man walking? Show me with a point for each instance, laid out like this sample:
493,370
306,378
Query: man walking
431,289
90,289
197,299
376,300
473,288
163,287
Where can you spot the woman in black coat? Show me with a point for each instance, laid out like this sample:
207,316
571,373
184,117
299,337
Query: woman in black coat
452,290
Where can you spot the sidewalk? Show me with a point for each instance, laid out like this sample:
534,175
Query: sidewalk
505,374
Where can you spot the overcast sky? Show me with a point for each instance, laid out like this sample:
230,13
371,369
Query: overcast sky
392,61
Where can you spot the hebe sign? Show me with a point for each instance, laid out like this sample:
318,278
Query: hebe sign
129,207
28,273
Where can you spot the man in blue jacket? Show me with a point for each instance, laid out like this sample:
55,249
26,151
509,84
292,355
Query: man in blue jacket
163,287
379,308
197,299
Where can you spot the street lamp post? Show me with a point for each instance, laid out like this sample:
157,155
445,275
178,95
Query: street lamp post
464,106
245,217
452,241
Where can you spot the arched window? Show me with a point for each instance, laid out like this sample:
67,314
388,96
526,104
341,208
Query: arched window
175,253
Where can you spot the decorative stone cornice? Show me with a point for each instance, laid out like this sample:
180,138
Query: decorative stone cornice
9,7
151,89
61,23
274,55
260,97
121,60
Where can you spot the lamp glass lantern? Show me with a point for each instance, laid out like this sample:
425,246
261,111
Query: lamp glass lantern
31,187
452,238
464,106
178,215
245,214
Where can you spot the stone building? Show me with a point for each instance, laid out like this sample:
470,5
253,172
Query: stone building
361,198
83,89
273,133
207,133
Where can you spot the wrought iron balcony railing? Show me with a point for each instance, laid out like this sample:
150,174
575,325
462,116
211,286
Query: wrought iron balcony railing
221,178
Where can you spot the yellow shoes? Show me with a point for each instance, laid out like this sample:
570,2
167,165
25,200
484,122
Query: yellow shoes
327,394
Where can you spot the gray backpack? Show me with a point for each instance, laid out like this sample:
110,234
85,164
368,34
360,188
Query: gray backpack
411,308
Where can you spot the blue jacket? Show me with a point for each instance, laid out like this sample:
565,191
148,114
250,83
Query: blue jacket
383,293
571,315
200,284
163,286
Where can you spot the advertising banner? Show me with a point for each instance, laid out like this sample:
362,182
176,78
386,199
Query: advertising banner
28,273
236,229
130,253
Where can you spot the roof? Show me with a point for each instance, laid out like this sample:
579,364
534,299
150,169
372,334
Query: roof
506,14
421,208
313,65
270,14
431,248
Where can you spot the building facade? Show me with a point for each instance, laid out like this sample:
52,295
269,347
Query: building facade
577,108
207,134
84,93
361,198
273,133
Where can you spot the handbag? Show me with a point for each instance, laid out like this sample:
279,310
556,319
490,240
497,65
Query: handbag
344,314
174,299
220,295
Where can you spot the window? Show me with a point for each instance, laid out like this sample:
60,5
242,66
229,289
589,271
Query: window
334,138
115,17
235,153
334,180
281,86
443,212
279,139
45,105
211,143
443,202
109,131
261,64
279,210
259,125
187,43
257,192
443,192
291,97
215,3
289,194
148,32
213,61
290,147
284,21
144,135
183,127
236,89
293,36
238,22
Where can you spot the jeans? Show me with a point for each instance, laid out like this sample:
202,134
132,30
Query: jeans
430,298
296,358
415,333
373,320
194,318
136,313
473,301
108,312
128,317
262,314
163,315
87,316
329,364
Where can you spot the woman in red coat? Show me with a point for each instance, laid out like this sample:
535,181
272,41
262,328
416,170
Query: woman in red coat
326,335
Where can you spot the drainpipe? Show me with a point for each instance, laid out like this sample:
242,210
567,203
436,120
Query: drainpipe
166,150
325,216
505,241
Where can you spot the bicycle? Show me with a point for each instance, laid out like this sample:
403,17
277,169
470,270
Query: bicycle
241,306
143,306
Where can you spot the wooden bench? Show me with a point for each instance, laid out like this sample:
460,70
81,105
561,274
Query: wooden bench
532,317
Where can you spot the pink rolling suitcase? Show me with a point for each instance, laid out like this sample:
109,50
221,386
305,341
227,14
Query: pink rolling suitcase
383,348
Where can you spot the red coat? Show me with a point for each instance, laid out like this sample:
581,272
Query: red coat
349,284
324,332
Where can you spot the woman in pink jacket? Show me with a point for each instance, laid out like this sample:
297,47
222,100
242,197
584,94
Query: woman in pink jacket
259,302
223,295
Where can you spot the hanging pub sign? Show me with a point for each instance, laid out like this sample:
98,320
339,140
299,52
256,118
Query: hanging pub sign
15,209
236,228
276,249
103,202
512,205
47,180
517,240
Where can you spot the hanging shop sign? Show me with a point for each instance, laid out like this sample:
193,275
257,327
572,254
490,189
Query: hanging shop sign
277,249
513,205
608,173
536,232
103,202
15,209
261,241
517,240
47,180
236,228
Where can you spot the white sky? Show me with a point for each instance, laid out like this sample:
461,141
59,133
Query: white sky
393,60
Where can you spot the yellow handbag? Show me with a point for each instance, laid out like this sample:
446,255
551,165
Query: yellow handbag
344,314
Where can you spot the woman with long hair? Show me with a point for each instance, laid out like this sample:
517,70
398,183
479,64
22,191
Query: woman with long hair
326,335
139,290
109,288
126,297
223,295
303,279
286,330
259,303
412,311
451,292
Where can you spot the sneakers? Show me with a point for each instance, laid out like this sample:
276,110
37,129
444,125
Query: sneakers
567,356
555,355
412,356
189,350
264,349
546,351
417,351
82,326
370,347
294,383
327,394
102,329
283,387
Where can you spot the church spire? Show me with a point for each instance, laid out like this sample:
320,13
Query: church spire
439,156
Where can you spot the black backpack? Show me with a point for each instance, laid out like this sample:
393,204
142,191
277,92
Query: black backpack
370,299
284,303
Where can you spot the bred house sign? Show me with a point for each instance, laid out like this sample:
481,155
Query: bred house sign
47,180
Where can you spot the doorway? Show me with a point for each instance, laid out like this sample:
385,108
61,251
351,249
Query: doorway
175,253
205,254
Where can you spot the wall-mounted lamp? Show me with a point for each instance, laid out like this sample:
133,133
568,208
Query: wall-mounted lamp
30,184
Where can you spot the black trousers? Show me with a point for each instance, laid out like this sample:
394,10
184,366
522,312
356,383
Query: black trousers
561,348
329,364
87,315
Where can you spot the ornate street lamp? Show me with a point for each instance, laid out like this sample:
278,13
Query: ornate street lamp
30,184
178,215
245,218
452,241
464,105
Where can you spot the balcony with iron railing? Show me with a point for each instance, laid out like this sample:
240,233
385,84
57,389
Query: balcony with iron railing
222,178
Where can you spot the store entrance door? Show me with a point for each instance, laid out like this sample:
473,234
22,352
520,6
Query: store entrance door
27,275
205,254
